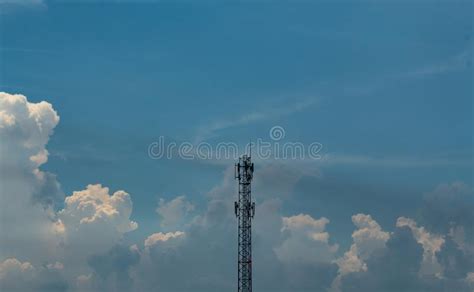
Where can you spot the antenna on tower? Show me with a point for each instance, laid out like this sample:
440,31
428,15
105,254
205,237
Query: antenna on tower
250,146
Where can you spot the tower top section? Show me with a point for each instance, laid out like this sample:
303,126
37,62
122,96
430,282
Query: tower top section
244,169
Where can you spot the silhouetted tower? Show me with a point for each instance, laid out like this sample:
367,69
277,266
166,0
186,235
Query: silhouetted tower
245,211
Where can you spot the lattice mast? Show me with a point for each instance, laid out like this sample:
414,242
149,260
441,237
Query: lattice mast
245,211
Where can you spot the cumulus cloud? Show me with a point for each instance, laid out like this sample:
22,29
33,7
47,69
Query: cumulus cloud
81,246
306,240
431,245
305,254
410,259
368,238
91,221
28,195
447,210
28,126
15,269
174,213
23,276
25,129
156,238
436,255
205,241
95,206
393,268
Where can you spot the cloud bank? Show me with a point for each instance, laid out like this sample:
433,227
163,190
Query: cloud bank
78,239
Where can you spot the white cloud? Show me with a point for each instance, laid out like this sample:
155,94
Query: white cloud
306,240
369,235
368,238
351,262
25,129
28,124
16,275
156,238
95,205
27,194
174,212
93,221
304,222
14,268
23,276
431,245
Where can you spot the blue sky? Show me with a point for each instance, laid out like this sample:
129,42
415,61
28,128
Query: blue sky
386,89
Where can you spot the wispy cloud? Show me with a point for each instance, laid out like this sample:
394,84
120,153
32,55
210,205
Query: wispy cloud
211,130
451,64
22,2
7,6
26,50
311,166
365,160
455,63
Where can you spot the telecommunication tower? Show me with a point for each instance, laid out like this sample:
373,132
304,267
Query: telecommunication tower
245,211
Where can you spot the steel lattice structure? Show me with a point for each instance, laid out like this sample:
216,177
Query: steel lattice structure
245,211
